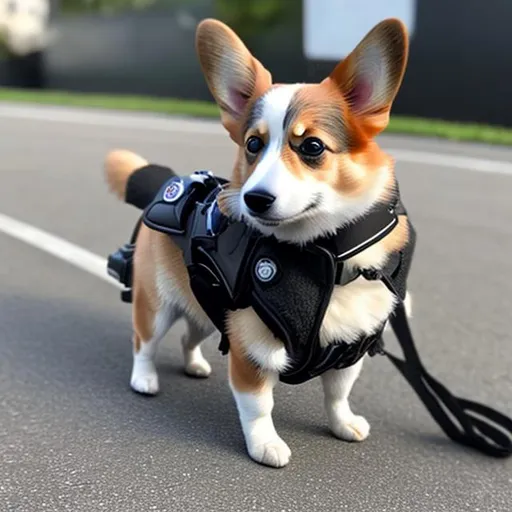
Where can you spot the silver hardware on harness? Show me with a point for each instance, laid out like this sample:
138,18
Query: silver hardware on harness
265,270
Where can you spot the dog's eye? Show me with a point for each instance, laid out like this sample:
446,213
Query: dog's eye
311,147
254,145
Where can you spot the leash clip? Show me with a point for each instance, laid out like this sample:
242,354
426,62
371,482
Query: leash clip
371,274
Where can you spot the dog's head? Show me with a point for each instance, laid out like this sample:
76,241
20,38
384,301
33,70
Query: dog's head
307,161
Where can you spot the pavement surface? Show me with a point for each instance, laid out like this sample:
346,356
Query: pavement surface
74,437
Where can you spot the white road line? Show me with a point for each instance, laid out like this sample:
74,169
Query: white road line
123,120
58,247
453,161
145,121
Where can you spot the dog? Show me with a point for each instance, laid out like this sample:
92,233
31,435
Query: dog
307,164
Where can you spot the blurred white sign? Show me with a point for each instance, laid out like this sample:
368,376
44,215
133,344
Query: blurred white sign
24,26
332,28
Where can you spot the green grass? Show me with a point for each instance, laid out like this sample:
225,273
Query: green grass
115,102
400,125
449,130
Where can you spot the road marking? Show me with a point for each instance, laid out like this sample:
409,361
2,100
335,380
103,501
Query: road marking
118,119
58,247
453,161
162,123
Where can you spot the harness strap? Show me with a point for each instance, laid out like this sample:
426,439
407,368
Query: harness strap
479,426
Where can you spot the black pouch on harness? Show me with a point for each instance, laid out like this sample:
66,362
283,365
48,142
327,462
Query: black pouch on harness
216,271
171,211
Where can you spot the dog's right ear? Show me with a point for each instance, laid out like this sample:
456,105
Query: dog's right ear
371,75
233,75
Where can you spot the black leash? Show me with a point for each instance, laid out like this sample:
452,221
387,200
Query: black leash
479,426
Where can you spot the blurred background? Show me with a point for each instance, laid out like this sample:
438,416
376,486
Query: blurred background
458,68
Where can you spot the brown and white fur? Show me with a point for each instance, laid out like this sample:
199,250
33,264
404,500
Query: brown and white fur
313,196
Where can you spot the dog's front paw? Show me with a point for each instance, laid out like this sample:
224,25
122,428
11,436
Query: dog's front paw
274,453
352,428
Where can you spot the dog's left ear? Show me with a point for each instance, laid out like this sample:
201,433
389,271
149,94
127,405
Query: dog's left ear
233,75
369,78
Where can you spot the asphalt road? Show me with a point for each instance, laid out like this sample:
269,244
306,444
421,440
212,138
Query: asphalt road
74,437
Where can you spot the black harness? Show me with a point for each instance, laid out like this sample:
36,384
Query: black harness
231,267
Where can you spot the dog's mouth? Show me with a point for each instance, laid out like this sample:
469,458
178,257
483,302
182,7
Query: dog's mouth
274,222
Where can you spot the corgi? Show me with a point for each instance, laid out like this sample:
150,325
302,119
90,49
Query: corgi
307,165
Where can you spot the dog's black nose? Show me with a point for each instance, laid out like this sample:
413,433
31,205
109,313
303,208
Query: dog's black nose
259,201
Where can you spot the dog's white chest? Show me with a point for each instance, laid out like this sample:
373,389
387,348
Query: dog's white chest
356,309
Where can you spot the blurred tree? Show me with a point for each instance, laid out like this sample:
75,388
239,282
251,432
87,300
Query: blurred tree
252,17
115,6
247,17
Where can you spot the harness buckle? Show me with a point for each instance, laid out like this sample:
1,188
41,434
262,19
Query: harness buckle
371,274
119,266
377,348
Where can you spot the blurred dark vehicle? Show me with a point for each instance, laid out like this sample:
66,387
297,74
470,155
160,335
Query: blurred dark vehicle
23,72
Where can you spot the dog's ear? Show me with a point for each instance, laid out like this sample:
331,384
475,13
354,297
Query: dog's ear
233,75
369,78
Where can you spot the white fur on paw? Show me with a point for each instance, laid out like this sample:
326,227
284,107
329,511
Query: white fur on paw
274,453
146,384
199,368
356,429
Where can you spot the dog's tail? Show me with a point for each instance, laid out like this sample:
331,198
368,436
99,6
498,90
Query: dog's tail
132,179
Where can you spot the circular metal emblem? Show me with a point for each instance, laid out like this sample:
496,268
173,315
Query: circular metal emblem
265,270
173,191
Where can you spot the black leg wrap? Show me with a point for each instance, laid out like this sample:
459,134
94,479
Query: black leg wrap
144,184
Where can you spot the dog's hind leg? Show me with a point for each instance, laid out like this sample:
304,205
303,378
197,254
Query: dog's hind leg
195,363
343,423
150,325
